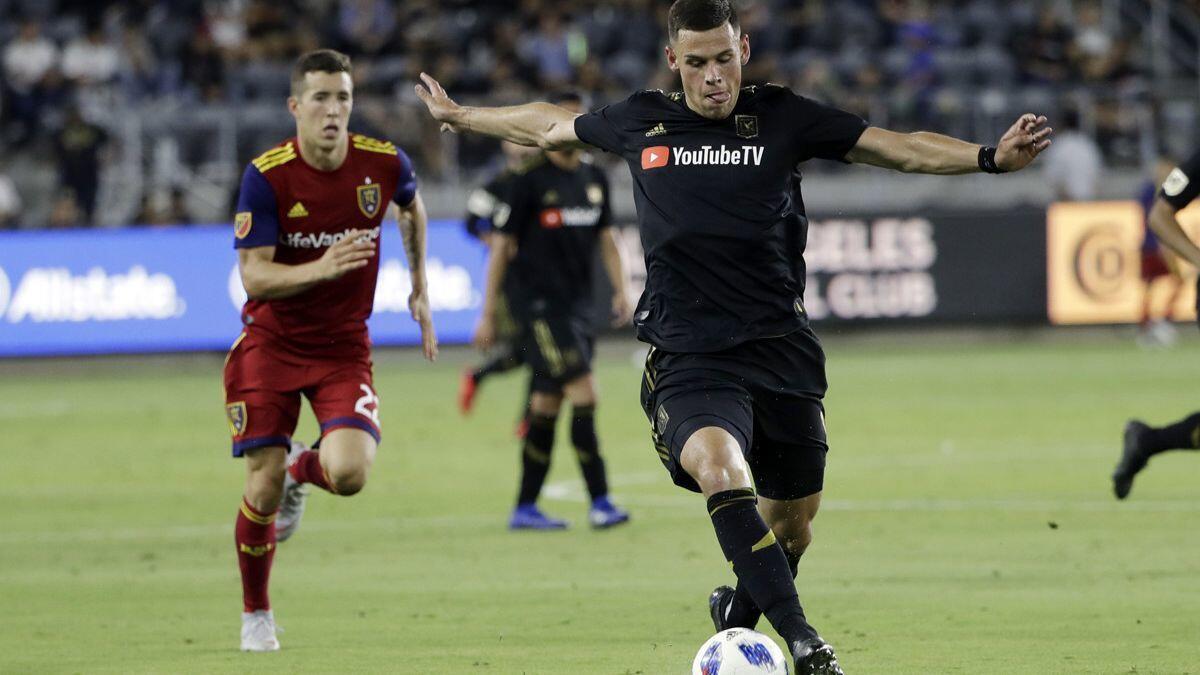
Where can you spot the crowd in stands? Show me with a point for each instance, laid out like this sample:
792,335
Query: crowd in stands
67,65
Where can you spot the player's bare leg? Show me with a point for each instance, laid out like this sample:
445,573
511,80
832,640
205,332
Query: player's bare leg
713,457
340,465
254,534
536,449
346,456
581,392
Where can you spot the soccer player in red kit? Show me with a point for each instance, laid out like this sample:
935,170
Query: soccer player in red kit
307,228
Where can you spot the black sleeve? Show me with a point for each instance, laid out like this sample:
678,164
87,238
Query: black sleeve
1183,183
822,131
606,128
515,210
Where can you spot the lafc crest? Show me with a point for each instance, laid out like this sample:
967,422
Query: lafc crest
370,197
236,412
747,125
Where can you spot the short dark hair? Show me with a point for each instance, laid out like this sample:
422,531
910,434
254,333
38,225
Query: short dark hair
700,15
317,61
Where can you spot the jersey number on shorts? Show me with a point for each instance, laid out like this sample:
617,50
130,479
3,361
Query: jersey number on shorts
368,405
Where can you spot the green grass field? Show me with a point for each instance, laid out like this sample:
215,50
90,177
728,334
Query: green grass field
968,526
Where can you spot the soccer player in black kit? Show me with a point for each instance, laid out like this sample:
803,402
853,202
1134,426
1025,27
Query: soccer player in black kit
735,377
1142,441
482,206
548,228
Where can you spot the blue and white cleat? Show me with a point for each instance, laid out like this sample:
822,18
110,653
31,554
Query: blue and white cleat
605,514
529,517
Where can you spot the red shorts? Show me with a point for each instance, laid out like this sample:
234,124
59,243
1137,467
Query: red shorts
263,385
1154,266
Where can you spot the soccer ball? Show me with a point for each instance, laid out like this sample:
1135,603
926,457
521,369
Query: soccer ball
740,651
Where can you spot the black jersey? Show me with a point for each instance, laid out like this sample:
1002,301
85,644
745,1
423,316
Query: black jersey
1183,184
483,202
556,216
712,199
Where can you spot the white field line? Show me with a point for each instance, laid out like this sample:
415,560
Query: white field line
573,491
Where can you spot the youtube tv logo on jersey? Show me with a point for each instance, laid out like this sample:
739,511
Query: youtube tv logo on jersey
658,156
655,157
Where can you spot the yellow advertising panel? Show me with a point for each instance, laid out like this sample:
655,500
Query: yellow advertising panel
1094,265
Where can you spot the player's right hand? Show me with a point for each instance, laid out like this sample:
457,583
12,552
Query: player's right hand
440,105
352,252
485,333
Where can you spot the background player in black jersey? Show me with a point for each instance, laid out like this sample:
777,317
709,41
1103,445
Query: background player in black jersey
546,233
505,354
735,376
1142,441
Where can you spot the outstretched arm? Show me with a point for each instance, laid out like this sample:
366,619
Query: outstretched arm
543,125
925,152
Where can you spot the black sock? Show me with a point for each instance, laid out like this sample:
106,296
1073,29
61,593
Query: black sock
535,457
741,611
587,448
1182,435
759,562
503,360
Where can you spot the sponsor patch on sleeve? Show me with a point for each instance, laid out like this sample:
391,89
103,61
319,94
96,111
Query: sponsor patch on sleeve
1176,182
241,224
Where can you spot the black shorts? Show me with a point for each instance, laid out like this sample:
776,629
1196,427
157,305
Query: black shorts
766,393
557,349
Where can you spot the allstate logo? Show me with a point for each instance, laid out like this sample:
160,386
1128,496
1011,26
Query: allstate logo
5,291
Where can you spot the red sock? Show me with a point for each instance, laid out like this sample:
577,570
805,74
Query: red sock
307,469
255,537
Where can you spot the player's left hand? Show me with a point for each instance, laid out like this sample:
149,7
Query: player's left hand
622,311
441,106
1023,142
418,304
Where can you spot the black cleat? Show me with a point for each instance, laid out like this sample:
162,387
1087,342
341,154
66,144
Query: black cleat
718,602
814,656
1133,458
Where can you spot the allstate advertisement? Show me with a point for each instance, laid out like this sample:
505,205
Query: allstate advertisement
178,289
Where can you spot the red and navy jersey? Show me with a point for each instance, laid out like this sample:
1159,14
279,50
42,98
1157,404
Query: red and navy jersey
300,210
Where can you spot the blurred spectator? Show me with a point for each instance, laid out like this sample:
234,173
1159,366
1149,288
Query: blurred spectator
549,51
78,147
10,202
1099,56
204,68
29,70
366,26
91,58
160,208
65,211
1045,51
1073,165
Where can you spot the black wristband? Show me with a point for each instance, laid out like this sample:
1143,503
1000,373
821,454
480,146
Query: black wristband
987,160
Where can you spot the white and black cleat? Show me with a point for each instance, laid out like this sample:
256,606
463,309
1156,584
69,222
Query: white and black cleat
814,656
295,494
